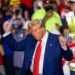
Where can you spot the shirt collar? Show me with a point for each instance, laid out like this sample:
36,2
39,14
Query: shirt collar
44,39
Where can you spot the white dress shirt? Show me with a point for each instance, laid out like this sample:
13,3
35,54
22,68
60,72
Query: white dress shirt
6,34
44,41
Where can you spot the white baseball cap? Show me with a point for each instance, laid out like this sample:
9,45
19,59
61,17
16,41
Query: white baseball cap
71,1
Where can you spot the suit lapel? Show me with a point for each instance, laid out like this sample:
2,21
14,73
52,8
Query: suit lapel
47,50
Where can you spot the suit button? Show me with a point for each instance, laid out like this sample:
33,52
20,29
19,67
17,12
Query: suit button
50,44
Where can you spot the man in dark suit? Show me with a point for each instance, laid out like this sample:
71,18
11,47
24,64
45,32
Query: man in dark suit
18,53
44,56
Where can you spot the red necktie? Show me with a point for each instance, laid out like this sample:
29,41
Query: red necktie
37,59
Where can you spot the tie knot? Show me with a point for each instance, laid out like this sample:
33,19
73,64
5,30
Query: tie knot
40,41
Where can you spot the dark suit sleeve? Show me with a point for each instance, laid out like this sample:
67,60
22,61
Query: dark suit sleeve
29,50
68,55
12,43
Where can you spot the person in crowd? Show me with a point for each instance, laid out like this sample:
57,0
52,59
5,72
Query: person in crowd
8,57
43,50
70,18
27,6
14,5
2,53
49,16
18,52
38,4
17,26
63,7
25,29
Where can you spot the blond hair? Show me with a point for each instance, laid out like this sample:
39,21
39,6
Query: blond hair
35,22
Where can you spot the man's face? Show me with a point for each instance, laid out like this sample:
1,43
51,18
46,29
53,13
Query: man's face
66,2
49,13
19,23
15,7
72,6
37,32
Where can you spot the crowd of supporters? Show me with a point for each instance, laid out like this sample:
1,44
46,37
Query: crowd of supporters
58,16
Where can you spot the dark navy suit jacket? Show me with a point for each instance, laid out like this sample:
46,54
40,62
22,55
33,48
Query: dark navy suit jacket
52,58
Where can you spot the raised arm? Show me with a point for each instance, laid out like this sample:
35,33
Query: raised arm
66,52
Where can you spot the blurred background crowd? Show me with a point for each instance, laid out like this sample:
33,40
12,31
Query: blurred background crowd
57,15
